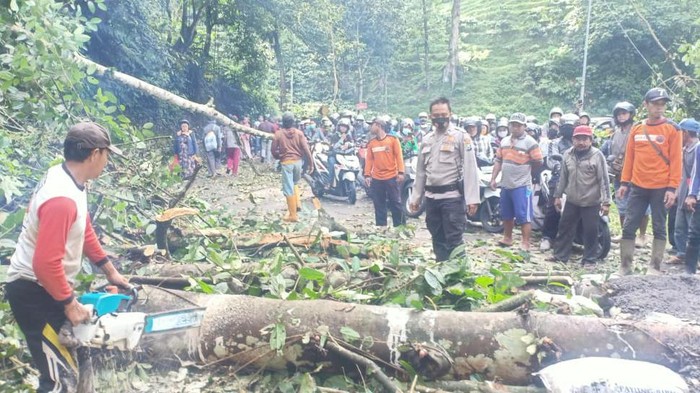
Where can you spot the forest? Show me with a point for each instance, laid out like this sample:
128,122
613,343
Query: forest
139,67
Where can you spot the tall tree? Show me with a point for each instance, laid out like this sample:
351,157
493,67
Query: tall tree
426,50
450,70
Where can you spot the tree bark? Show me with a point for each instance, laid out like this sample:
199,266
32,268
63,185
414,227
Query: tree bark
440,344
450,71
425,45
277,46
167,96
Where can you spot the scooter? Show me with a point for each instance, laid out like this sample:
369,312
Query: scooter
488,216
347,169
410,161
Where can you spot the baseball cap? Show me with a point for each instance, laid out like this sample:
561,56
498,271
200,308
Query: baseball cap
691,125
518,118
89,135
656,94
583,130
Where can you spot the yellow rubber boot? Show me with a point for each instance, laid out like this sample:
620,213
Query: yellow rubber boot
292,207
297,195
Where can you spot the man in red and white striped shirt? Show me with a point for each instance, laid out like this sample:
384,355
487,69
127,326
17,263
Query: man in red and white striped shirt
56,233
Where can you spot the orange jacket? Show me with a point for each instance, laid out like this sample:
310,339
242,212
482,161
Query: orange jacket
384,159
643,166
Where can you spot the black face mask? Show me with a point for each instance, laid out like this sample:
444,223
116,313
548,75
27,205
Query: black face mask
552,133
567,132
441,122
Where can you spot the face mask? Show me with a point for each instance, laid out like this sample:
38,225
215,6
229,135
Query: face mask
502,134
441,122
551,134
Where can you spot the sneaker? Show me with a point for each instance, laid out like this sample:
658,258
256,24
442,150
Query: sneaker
545,244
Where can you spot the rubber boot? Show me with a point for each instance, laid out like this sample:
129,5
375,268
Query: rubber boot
658,246
297,195
626,256
292,207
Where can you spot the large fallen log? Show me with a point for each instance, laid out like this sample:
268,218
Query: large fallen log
438,344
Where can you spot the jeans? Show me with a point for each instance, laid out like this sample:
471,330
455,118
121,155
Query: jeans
680,232
331,169
386,194
637,202
446,220
291,174
570,218
693,245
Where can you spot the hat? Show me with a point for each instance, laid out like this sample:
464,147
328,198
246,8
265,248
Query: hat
89,135
690,125
184,121
656,94
583,130
518,118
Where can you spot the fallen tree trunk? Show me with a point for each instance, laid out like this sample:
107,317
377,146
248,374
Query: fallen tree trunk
438,344
166,96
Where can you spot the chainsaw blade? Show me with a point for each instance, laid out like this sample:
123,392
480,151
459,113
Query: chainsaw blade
170,321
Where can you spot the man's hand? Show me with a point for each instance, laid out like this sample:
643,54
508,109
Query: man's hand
471,209
76,313
115,278
604,209
493,184
669,199
690,202
311,170
558,204
368,181
621,192
400,177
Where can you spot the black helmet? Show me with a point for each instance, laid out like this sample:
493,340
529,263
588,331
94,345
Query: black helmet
624,106
184,121
288,120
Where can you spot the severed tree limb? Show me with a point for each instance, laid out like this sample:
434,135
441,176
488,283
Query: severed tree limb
474,386
181,195
532,280
294,250
509,304
369,365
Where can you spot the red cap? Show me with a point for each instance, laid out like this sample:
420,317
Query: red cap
583,130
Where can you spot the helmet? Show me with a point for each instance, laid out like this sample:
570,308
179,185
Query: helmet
555,122
334,117
569,119
584,114
624,106
344,122
503,122
531,119
534,130
287,120
423,114
407,122
556,110
491,117
326,122
360,117
184,121
346,113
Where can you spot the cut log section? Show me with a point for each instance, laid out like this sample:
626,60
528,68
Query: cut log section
499,346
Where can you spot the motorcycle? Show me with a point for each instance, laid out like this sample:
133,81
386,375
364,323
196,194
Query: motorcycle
361,147
488,216
543,192
347,169
410,161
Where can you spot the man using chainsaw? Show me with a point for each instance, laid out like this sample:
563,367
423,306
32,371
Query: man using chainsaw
56,233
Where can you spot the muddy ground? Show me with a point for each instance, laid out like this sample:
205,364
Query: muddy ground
673,294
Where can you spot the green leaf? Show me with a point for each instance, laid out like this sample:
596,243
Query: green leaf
278,337
91,7
308,384
433,281
13,6
150,229
311,274
349,334
147,126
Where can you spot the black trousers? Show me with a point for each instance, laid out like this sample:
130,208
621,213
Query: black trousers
446,220
567,231
639,199
386,196
40,318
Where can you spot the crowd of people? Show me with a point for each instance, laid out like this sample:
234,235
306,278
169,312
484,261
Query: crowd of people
644,166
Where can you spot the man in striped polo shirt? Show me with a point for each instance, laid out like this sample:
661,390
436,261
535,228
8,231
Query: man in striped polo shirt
517,156
651,174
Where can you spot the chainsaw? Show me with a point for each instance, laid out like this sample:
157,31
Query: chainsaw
114,325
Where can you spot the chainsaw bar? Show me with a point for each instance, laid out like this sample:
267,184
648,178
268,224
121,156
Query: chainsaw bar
169,321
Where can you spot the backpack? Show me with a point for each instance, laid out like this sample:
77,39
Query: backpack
210,142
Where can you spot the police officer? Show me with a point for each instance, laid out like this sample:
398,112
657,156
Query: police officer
447,176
